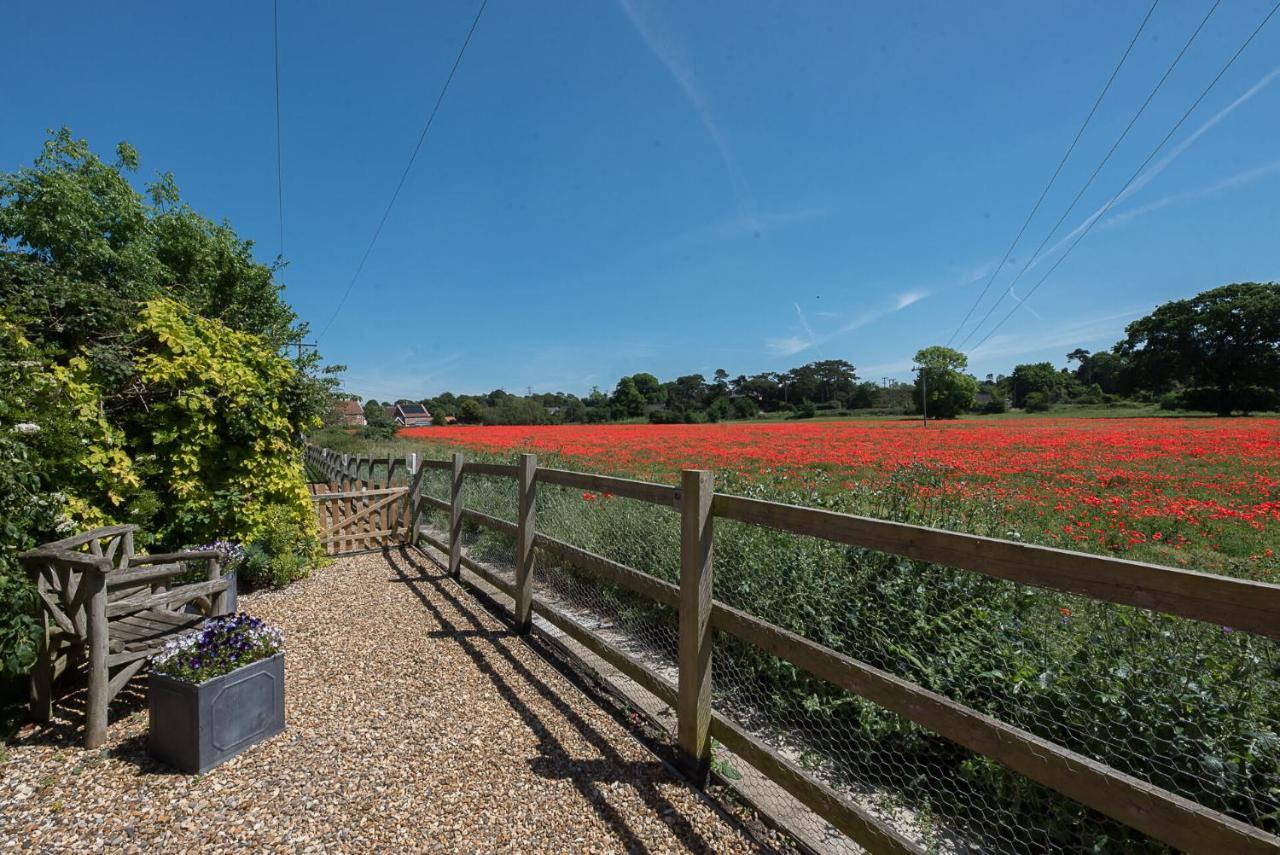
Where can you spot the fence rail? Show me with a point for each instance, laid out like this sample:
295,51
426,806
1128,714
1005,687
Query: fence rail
1154,811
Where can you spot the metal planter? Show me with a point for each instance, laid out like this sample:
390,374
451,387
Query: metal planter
196,726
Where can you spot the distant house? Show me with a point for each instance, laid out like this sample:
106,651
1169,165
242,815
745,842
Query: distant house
450,420
347,414
412,415
390,410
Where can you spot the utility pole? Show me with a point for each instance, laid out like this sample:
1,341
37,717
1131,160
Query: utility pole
300,344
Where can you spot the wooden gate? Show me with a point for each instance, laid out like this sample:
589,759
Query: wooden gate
359,520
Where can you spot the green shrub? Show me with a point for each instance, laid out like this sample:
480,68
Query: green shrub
281,553
806,410
998,404
378,431
1170,401
1037,402
744,408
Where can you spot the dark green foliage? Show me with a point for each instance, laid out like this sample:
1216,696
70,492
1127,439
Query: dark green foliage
627,402
377,424
1037,402
941,375
279,555
996,405
744,408
1226,339
1039,378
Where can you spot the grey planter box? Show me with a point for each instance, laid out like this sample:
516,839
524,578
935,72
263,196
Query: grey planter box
194,727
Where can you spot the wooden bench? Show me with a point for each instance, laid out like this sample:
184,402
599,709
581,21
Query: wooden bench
100,601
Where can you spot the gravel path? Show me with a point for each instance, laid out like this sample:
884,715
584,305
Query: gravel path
415,722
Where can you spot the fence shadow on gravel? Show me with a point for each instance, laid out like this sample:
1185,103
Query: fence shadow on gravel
487,648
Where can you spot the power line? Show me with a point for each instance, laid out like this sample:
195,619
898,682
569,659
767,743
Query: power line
1098,169
1098,216
1061,163
408,166
275,34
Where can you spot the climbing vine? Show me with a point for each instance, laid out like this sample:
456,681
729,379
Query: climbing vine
217,434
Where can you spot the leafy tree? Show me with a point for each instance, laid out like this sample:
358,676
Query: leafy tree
996,405
514,410
1038,377
1110,371
470,412
687,393
950,390
377,424
864,396
1083,371
764,389
744,408
1226,339
822,382
650,388
627,401
1036,402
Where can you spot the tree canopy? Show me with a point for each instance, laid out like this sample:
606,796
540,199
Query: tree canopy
942,383
1225,341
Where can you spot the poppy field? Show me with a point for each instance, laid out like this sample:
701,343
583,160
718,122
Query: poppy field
1173,491
1191,707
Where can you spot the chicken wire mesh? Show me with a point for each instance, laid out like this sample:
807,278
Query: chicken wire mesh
434,483
495,496
1189,707
641,536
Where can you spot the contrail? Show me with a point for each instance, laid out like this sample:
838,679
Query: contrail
672,56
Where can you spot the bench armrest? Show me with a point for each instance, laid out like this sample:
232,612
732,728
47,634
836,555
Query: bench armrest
77,560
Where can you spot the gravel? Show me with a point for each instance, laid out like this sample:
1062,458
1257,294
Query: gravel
415,721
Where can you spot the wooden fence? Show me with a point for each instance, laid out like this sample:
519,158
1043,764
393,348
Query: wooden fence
1157,812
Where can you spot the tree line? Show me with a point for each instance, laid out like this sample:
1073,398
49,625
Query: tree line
1218,351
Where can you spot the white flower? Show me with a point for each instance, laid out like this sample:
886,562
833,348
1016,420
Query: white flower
26,427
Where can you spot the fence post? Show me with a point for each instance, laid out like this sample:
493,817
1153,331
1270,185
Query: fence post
525,523
411,497
455,518
348,485
693,696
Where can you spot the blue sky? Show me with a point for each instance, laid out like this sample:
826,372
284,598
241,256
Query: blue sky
613,187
